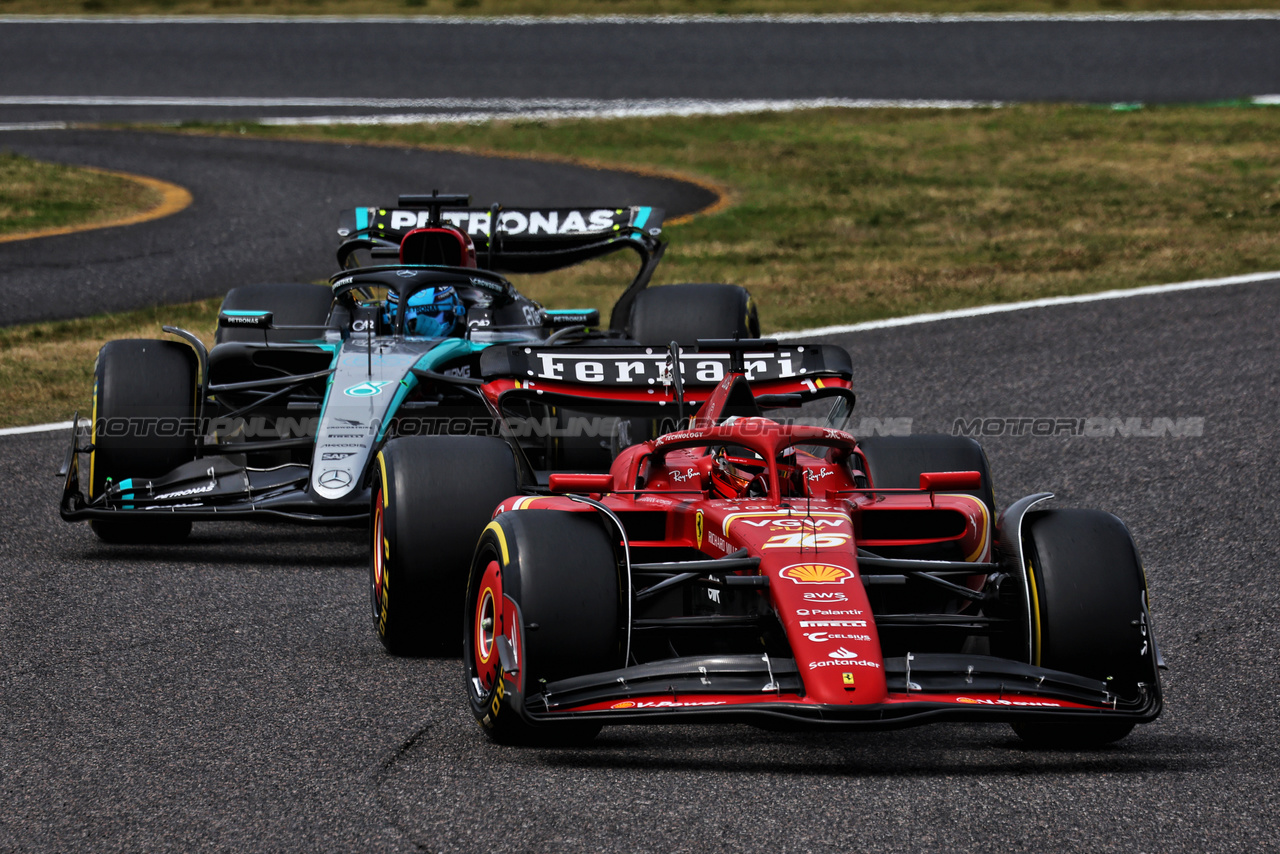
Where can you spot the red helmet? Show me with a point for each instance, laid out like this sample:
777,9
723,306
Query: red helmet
736,477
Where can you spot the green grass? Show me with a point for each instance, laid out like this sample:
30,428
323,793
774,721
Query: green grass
46,369
37,196
599,7
840,216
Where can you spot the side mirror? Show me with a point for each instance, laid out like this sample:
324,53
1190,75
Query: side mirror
934,481
589,483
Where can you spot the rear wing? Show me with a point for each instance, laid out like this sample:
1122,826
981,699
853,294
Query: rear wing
507,240
805,371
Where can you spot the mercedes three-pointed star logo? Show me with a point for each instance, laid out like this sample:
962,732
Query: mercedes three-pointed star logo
335,479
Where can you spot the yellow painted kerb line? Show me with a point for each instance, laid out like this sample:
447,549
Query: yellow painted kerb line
173,199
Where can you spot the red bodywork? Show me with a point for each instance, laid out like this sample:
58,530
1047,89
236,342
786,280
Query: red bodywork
806,530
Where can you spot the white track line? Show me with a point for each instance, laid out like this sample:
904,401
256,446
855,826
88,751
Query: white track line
480,110
629,110
914,320
493,104
36,428
532,20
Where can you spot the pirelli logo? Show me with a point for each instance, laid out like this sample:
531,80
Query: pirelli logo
833,624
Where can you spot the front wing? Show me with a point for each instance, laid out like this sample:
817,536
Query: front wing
921,688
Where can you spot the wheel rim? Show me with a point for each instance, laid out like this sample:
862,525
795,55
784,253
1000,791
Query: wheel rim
380,548
488,625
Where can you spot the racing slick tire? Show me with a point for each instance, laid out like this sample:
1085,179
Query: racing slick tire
291,304
144,407
1089,615
547,583
684,313
432,496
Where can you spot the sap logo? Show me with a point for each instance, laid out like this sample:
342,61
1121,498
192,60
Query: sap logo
826,597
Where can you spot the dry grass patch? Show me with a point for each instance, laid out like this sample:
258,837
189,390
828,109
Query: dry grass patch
35,196
46,369
842,216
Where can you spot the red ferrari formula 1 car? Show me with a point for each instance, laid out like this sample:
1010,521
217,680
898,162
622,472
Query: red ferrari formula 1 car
751,568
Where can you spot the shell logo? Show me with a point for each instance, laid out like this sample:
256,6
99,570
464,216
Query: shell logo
965,700
625,704
816,573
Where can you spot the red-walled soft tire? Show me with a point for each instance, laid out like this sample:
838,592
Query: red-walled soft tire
550,582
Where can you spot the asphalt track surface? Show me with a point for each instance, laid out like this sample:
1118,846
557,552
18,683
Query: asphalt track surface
1003,60
262,211
230,694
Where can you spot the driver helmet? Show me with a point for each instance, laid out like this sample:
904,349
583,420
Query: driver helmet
732,480
432,312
